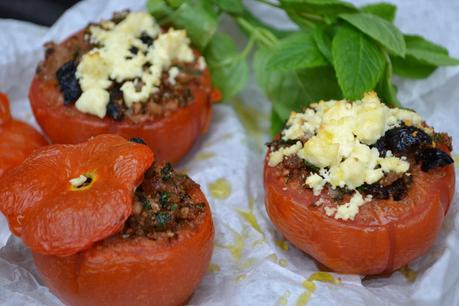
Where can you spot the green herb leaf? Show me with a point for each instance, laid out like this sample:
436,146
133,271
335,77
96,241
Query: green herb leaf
323,42
293,90
160,10
385,89
359,64
199,19
227,66
314,9
379,29
230,6
411,68
276,123
384,10
297,51
175,3
428,52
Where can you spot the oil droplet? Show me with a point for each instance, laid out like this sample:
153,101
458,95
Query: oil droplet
283,262
240,278
214,268
250,218
456,160
409,273
272,257
205,155
282,244
250,118
283,299
248,263
323,277
303,299
309,285
251,203
220,189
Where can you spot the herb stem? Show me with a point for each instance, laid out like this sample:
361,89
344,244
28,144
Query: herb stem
263,36
270,3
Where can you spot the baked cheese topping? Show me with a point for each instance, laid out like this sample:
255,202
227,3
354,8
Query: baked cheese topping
337,137
121,56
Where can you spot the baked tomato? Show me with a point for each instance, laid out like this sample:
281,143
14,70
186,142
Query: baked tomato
97,237
371,210
17,140
169,121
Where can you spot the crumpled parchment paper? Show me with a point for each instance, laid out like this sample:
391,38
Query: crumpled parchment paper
252,264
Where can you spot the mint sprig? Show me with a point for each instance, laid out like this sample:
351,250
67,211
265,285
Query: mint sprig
338,51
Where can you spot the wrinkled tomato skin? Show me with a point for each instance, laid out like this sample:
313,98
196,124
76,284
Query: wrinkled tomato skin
140,271
17,140
170,138
384,236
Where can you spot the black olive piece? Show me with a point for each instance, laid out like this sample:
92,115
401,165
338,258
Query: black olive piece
115,111
134,50
146,39
137,140
431,158
68,82
397,190
403,139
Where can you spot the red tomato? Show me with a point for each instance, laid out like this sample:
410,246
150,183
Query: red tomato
170,137
133,271
385,234
17,140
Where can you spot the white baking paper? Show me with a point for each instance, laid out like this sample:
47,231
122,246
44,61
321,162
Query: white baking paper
253,264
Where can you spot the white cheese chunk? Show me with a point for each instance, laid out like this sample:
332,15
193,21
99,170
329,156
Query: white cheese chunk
173,73
93,101
315,182
276,157
78,181
320,152
349,210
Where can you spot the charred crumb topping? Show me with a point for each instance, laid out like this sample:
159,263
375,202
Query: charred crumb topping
360,156
163,205
148,77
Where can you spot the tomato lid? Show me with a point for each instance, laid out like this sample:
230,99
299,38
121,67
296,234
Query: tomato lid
63,198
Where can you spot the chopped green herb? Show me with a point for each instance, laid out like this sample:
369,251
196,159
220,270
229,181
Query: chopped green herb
174,207
164,198
166,171
145,202
162,218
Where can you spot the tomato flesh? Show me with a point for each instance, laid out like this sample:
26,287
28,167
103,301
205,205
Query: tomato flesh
385,234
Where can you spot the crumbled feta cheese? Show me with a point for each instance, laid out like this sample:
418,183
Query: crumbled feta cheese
173,73
78,181
339,135
202,63
349,210
330,211
114,60
315,182
276,157
93,101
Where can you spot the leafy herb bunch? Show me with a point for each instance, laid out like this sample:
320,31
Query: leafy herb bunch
339,50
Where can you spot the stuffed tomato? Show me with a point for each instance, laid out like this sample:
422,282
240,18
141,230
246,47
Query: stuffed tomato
109,227
124,76
18,139
360,187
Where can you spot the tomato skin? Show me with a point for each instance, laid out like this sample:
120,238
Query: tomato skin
384,236
18,139
136,271
170,137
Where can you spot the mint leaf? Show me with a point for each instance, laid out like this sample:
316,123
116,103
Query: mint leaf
227,66
231,6
160,10
428,52
323,42
276,123
358,62
199,19
329,8
384,10
296,51
379,29
385,89
411,68
293,90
